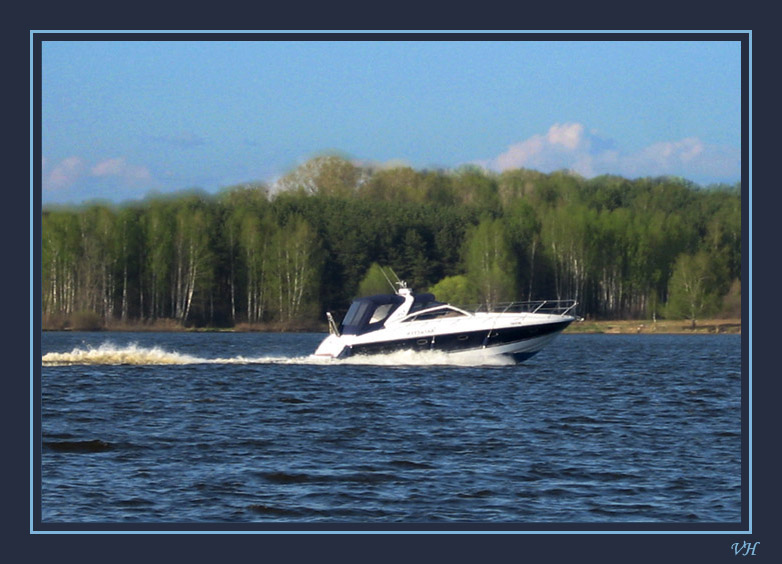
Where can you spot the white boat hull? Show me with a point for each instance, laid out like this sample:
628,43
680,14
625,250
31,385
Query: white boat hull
517,343
384,324
517,352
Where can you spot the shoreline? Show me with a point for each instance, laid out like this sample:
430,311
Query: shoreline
659,327
585,327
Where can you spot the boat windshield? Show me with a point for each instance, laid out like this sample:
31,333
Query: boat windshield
369,314
381,313
356,312
436,314
424,301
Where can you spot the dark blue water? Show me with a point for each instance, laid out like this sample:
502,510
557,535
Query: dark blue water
212,427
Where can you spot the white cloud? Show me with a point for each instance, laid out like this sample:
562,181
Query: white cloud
73,173
570,146
672,152
64,174
570,135
563,146
110,167
120,168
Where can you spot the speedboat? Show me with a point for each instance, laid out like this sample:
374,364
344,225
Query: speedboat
405,321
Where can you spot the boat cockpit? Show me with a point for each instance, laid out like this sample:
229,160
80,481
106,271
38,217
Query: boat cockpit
371,313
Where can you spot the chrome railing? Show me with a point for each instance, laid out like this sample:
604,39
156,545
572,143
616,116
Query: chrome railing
550,307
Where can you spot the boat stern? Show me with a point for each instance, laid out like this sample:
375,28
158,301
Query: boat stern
332,346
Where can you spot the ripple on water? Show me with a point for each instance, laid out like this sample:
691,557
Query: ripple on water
245,427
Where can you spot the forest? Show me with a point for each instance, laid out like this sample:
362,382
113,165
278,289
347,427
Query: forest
278,257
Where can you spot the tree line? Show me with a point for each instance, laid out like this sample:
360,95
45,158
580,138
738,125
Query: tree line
283,254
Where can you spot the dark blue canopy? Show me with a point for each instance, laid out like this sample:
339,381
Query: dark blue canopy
368,314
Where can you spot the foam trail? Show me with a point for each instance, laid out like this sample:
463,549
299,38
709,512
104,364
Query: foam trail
110,354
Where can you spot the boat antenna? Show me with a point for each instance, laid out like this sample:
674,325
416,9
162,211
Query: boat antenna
399,282
383,270
392,284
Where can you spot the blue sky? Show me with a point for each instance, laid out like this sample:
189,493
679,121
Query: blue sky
121,118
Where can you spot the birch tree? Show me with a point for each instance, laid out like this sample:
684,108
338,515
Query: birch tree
524,228
326,175
568,232
246,235
254,241
693,287
60,251
489,263
158,234
192,262
293,266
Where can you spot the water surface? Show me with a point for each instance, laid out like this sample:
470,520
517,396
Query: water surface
221,427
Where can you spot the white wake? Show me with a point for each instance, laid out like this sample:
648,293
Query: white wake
111,354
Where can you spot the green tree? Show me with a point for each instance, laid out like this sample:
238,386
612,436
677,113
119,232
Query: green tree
456,290
241,245
60,252
294,268
438,189
416,262
398,184
524,227
692,290
375,281
477,188
723,231
99,257
158,234
193,259
609,242
516,185
254,238
129,251
489,263
613,239
246,229
568,233
326,175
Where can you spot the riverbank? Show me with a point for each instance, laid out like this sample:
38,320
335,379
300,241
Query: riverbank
616,327
660,327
